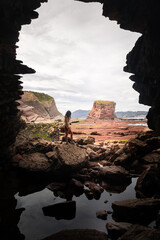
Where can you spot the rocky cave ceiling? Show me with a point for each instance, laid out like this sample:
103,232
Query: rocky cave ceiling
142,62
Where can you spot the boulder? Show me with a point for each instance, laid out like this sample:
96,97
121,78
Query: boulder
35,162
62,160
141,232
117,229
114,188
96,189
148,184
63,210
71,156
102,214
141,211
56,186
114,174
25,146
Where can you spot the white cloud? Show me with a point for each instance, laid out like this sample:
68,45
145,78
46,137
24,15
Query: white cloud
78,56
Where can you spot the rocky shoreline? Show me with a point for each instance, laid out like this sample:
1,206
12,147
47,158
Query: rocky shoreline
85,167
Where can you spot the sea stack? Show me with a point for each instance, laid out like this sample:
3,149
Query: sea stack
102,110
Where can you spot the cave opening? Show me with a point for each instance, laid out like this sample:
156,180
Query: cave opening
79,59
139,159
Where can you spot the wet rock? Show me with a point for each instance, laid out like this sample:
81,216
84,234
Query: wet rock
148,184
114,188
63,210
114,174
82,177
96,189
117,229
141,211
78,234
56,186
89,194
77,185
141,232
109,212
101,214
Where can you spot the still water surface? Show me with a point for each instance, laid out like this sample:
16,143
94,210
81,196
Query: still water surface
35,226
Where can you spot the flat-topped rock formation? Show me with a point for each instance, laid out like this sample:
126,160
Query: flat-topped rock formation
102,110
36,106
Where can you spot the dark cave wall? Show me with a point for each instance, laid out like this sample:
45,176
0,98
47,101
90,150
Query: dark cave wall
13,14
143,61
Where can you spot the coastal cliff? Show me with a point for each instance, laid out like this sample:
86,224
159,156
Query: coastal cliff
36,106
102,110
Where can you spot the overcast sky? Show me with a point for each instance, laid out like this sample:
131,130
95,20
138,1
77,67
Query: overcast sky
78,56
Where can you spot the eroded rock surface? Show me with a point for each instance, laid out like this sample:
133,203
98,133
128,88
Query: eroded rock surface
102,110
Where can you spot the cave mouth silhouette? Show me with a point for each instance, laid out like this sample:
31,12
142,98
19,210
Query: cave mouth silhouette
142,61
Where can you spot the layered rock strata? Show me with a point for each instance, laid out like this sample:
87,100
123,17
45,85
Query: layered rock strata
36,106
13,14
102,110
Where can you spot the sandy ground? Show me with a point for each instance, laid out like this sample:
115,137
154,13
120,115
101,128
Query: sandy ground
103,130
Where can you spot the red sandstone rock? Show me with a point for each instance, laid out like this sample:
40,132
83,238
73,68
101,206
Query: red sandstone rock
102,110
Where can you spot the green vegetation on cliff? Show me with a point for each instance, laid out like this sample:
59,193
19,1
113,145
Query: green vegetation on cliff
104,102
42,97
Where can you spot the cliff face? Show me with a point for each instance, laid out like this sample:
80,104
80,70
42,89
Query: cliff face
102,110
37,106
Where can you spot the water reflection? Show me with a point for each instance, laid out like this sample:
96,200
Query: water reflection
37,223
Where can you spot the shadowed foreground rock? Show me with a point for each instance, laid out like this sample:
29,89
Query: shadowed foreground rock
148,184
50,158
78,234
63,210
141,211
115,174
138,232
117,229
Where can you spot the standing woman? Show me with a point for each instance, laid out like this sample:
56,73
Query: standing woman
68,130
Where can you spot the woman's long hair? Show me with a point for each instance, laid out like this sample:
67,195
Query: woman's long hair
68,114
